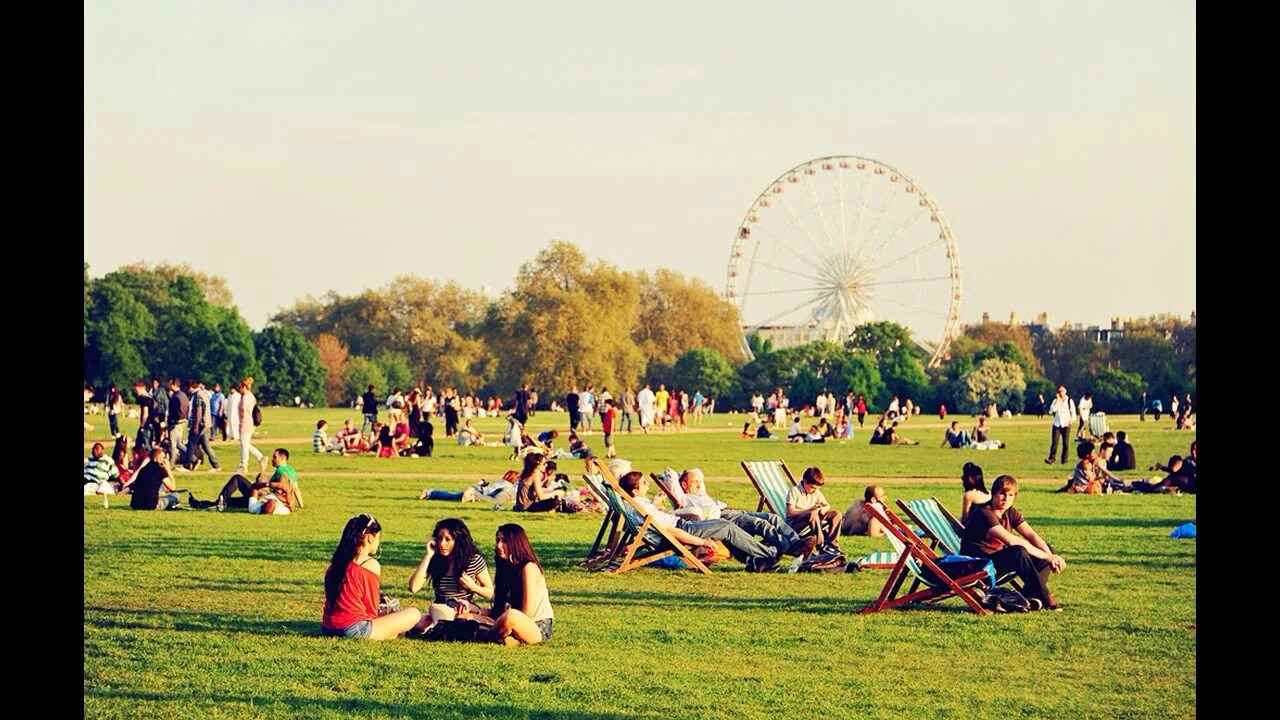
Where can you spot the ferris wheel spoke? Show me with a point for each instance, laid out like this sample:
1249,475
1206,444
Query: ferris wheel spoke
800,226
817,205
788,311
791,272
788,291
911,219
862,209
903,282
915,307
884,209
780,242
844,234
909,254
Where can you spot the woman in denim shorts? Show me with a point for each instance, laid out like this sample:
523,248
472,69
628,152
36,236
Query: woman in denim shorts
353,584
521,611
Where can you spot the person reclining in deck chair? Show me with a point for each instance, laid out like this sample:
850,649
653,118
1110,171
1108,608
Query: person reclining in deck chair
695,504
757,556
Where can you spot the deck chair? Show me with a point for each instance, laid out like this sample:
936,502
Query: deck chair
944,530
914,557
773,480
1098,424
612,520
644,541
661,482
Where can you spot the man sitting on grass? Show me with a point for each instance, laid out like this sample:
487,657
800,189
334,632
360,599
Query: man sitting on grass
858,520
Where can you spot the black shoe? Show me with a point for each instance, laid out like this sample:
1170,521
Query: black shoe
1048,461
762,565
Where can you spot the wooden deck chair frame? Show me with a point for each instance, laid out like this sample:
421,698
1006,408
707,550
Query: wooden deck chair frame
630,547
768,502
612,520
944,545
914,548
661,482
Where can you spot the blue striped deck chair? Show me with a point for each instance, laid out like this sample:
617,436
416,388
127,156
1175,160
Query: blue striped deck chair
644,540
914,558
943,529
602,555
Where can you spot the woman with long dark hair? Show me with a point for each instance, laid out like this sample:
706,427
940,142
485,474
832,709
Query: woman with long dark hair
353,585
521,609
456,568
531,496
975,489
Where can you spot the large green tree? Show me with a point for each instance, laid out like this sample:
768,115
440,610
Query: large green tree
291,365
707,370
677,313
567,321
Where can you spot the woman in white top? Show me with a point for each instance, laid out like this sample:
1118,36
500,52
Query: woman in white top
521,609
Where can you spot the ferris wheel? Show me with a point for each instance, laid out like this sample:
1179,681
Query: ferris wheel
840,241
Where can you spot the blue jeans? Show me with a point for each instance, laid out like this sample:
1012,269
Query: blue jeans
626,420
444,495
358,629
738,541
775,531
369,420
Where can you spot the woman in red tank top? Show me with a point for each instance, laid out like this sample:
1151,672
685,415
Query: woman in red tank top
352,584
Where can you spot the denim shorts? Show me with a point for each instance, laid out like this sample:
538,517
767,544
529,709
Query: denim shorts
358,629
545,627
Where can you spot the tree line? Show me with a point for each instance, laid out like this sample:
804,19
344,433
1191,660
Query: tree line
570,320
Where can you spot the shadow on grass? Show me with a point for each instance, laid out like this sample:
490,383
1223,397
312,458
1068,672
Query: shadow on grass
1127,522
132,619
829,605
301,706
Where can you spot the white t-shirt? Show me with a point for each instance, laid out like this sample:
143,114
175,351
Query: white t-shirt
247,401
256,505
800,500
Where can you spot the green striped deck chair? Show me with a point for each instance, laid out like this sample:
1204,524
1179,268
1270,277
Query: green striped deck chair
943,529
773,480
940,525
882,560
602,555
1098,424
914,556
644,541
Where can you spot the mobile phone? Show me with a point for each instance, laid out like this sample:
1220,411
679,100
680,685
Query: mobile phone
451,603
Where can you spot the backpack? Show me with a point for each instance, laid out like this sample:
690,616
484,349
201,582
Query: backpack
833,562
454,631
257,416
1001,600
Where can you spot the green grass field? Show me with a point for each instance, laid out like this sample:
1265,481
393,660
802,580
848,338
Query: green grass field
205,614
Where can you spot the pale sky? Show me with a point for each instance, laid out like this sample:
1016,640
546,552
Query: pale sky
301,147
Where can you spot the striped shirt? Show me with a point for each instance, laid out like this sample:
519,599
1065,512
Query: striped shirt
319,441
98,470
447,586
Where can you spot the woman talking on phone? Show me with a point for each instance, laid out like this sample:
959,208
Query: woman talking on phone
456,568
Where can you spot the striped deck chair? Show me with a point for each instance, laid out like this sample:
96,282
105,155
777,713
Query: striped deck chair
1098,424
914,557
773,480
602,555
643,536
944,530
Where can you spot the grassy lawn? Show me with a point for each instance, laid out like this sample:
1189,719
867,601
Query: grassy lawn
205,614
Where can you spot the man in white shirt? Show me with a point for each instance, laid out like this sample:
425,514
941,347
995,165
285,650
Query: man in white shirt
756,556
1084,406
695,503
646,404
1063,411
